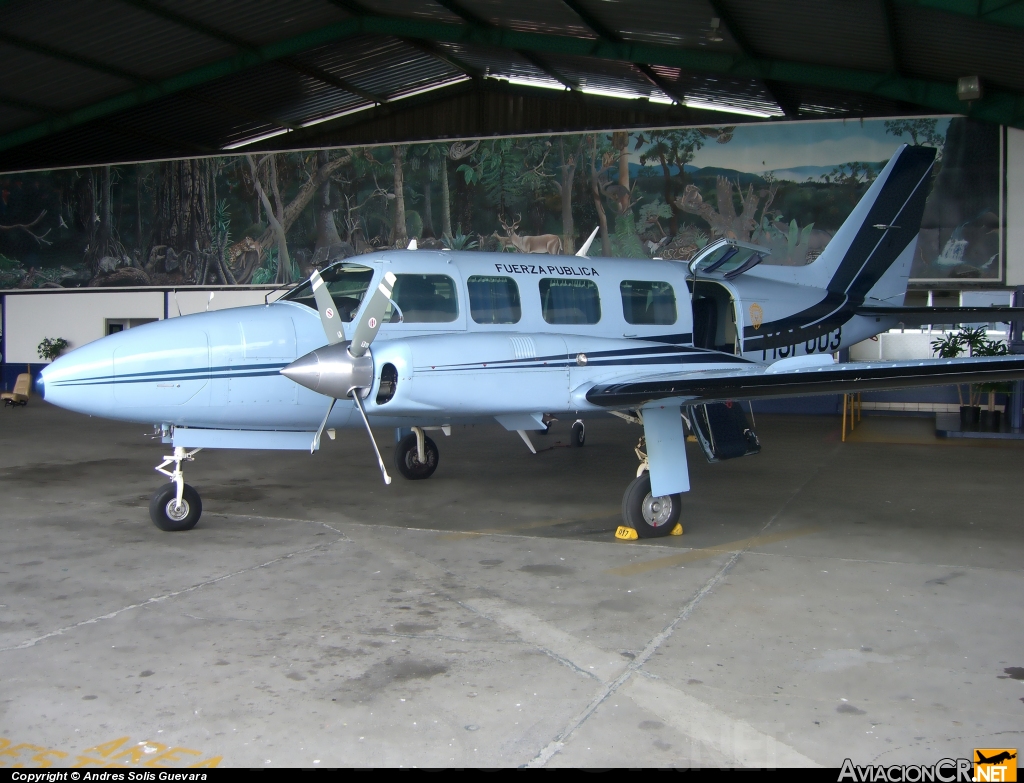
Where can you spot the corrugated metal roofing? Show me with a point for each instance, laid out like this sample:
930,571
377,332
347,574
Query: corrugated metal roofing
94,80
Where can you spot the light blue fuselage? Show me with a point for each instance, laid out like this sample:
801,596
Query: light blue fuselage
221,369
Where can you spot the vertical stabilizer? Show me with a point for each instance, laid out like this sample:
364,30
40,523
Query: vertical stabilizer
880,233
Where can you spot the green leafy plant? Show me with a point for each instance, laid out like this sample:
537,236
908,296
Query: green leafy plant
50,348
460,241
267,271
973,342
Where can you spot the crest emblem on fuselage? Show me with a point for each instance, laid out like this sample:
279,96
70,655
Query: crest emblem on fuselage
756,315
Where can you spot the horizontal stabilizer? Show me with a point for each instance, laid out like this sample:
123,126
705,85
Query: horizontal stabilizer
753,382
916,316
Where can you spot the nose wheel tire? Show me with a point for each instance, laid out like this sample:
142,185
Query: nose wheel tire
649,516
579,434
407,459
168,515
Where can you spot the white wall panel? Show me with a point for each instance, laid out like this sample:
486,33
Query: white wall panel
196,301
79,318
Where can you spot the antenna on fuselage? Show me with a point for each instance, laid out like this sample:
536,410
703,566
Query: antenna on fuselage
582,252
208,301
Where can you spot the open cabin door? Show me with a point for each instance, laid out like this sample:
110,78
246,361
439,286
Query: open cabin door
714,317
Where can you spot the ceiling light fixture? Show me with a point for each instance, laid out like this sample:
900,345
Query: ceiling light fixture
968,88
714,35
606,93
336,115
724,107
523,81
262,137
428,88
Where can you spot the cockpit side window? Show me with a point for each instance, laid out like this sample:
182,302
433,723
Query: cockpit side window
494,300
347,284
648,302
423,299
569,301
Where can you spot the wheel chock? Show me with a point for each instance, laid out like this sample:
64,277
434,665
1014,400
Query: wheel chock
677,530
624,533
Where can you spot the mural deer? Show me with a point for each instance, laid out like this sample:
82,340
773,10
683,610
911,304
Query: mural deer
542,243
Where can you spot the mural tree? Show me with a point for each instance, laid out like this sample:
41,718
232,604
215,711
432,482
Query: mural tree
275,213
399,235
326,207
564,185
676,148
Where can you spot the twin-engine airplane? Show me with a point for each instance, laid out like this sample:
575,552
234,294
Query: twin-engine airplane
446,337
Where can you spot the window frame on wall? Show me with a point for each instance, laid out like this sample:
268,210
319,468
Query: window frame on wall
629,311
546,284
514,300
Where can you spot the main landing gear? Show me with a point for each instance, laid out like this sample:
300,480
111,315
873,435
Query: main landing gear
645,515
175,506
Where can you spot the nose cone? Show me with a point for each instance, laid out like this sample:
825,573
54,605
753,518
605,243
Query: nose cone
80,380
305,371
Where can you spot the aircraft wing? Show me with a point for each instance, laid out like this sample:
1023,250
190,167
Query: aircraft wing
752,382
918,316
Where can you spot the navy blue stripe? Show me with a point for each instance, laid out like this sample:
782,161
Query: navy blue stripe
101,381
705,357
178,371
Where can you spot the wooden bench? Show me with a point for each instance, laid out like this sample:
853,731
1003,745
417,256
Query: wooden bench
20,395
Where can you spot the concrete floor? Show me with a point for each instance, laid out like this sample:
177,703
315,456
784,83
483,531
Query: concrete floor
828,600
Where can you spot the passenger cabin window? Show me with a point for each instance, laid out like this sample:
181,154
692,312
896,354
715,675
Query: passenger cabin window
347,284
423,299
569,301
647,302
494,300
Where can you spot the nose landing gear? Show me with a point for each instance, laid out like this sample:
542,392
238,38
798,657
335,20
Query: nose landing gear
416,455
175,506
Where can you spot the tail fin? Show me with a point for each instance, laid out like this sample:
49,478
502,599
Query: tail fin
871,253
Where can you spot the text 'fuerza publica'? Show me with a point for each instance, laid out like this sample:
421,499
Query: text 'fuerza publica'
540,269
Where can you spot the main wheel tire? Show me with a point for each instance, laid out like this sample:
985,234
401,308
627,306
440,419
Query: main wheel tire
649,516
407,458
579,434
167,516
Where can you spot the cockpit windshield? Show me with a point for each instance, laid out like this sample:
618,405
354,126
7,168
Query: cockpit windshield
728,258
346,282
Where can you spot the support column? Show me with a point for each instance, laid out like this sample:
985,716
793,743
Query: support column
1015,403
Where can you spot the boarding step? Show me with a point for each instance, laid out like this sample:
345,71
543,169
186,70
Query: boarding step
722,430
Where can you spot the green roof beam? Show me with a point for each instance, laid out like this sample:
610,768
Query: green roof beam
1007,13
998,106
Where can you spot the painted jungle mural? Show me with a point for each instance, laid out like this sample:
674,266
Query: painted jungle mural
271,218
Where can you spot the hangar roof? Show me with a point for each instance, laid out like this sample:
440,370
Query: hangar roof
93,81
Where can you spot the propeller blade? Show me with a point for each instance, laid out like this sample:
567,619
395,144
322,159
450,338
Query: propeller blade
368,325
319,433
329,315
362,410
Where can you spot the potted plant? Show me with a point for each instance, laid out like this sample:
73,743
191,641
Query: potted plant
990,418
51,347
952,345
